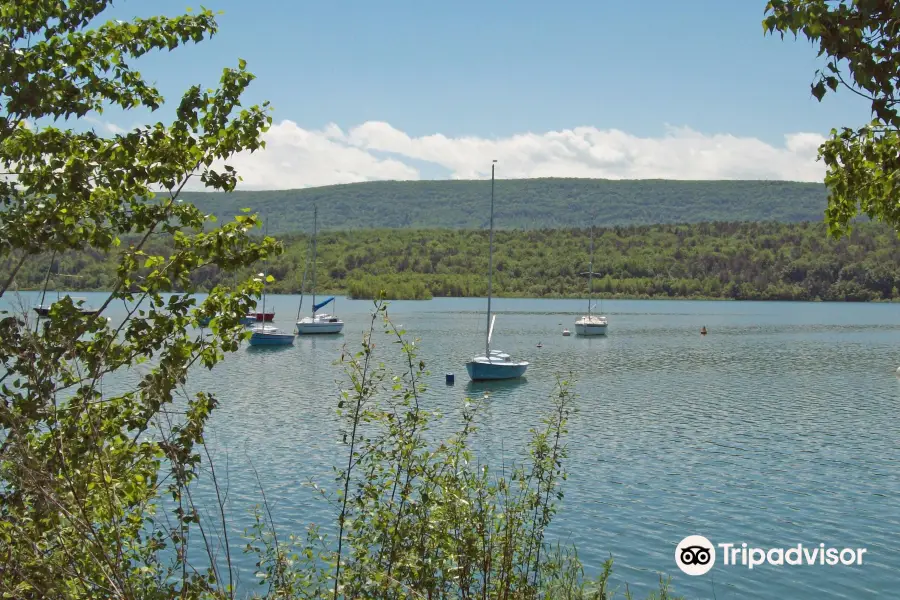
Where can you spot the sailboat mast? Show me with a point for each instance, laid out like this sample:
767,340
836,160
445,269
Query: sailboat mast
591,274
47,279
305,273
487,333
315,232
265,276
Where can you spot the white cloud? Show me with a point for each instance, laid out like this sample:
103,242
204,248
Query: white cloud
105,125
297,157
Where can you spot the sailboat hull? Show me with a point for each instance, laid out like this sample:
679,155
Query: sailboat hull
589,329
44,311
483,371
271,339
312,326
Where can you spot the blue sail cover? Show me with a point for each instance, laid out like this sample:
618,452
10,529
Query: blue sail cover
321,304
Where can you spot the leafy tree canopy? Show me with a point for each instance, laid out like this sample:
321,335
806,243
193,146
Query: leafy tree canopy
79,469
860,41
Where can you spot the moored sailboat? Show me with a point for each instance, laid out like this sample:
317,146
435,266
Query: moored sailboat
591,324
264,316
80,303
268,335
316,322
495,364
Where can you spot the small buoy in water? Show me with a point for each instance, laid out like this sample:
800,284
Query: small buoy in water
450,378
566,332
703,330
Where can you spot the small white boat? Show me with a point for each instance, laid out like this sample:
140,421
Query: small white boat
495,364
315,323
320,323
566,332
591,324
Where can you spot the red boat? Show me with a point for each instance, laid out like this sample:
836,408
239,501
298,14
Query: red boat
268,316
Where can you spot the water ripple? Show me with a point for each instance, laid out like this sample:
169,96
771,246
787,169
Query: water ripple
779,427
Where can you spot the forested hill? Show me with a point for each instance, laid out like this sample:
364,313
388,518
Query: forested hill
751,261
523,203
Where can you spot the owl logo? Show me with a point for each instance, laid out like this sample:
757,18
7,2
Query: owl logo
695,555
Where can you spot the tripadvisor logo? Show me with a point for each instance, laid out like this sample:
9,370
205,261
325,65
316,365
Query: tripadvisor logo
696,555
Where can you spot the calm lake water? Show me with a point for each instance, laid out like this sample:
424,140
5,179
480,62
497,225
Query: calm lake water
780,427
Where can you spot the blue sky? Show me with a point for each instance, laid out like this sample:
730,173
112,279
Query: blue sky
493,70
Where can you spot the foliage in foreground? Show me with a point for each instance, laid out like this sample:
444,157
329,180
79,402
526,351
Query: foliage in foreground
858,40
749,261
80,470
96,488
418,519
415,518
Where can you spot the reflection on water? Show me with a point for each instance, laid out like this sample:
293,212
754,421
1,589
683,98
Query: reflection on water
268,349
497,389
779,427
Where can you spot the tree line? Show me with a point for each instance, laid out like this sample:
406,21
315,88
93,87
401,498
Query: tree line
728,260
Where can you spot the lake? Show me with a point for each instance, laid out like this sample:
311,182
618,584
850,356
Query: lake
779,427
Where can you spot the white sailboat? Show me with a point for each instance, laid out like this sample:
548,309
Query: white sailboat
268,335
321,322
495,364
591,324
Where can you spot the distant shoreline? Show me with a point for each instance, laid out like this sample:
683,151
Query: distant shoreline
711,261
511,297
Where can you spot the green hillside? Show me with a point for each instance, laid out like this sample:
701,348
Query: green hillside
523,203
754,261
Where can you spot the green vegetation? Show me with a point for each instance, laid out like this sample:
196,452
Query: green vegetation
755,261
522,203
82,472
428,520
858,40
96,488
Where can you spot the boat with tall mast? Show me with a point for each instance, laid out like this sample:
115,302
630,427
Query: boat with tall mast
43,309
321,322
495,364
591,324
268,335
